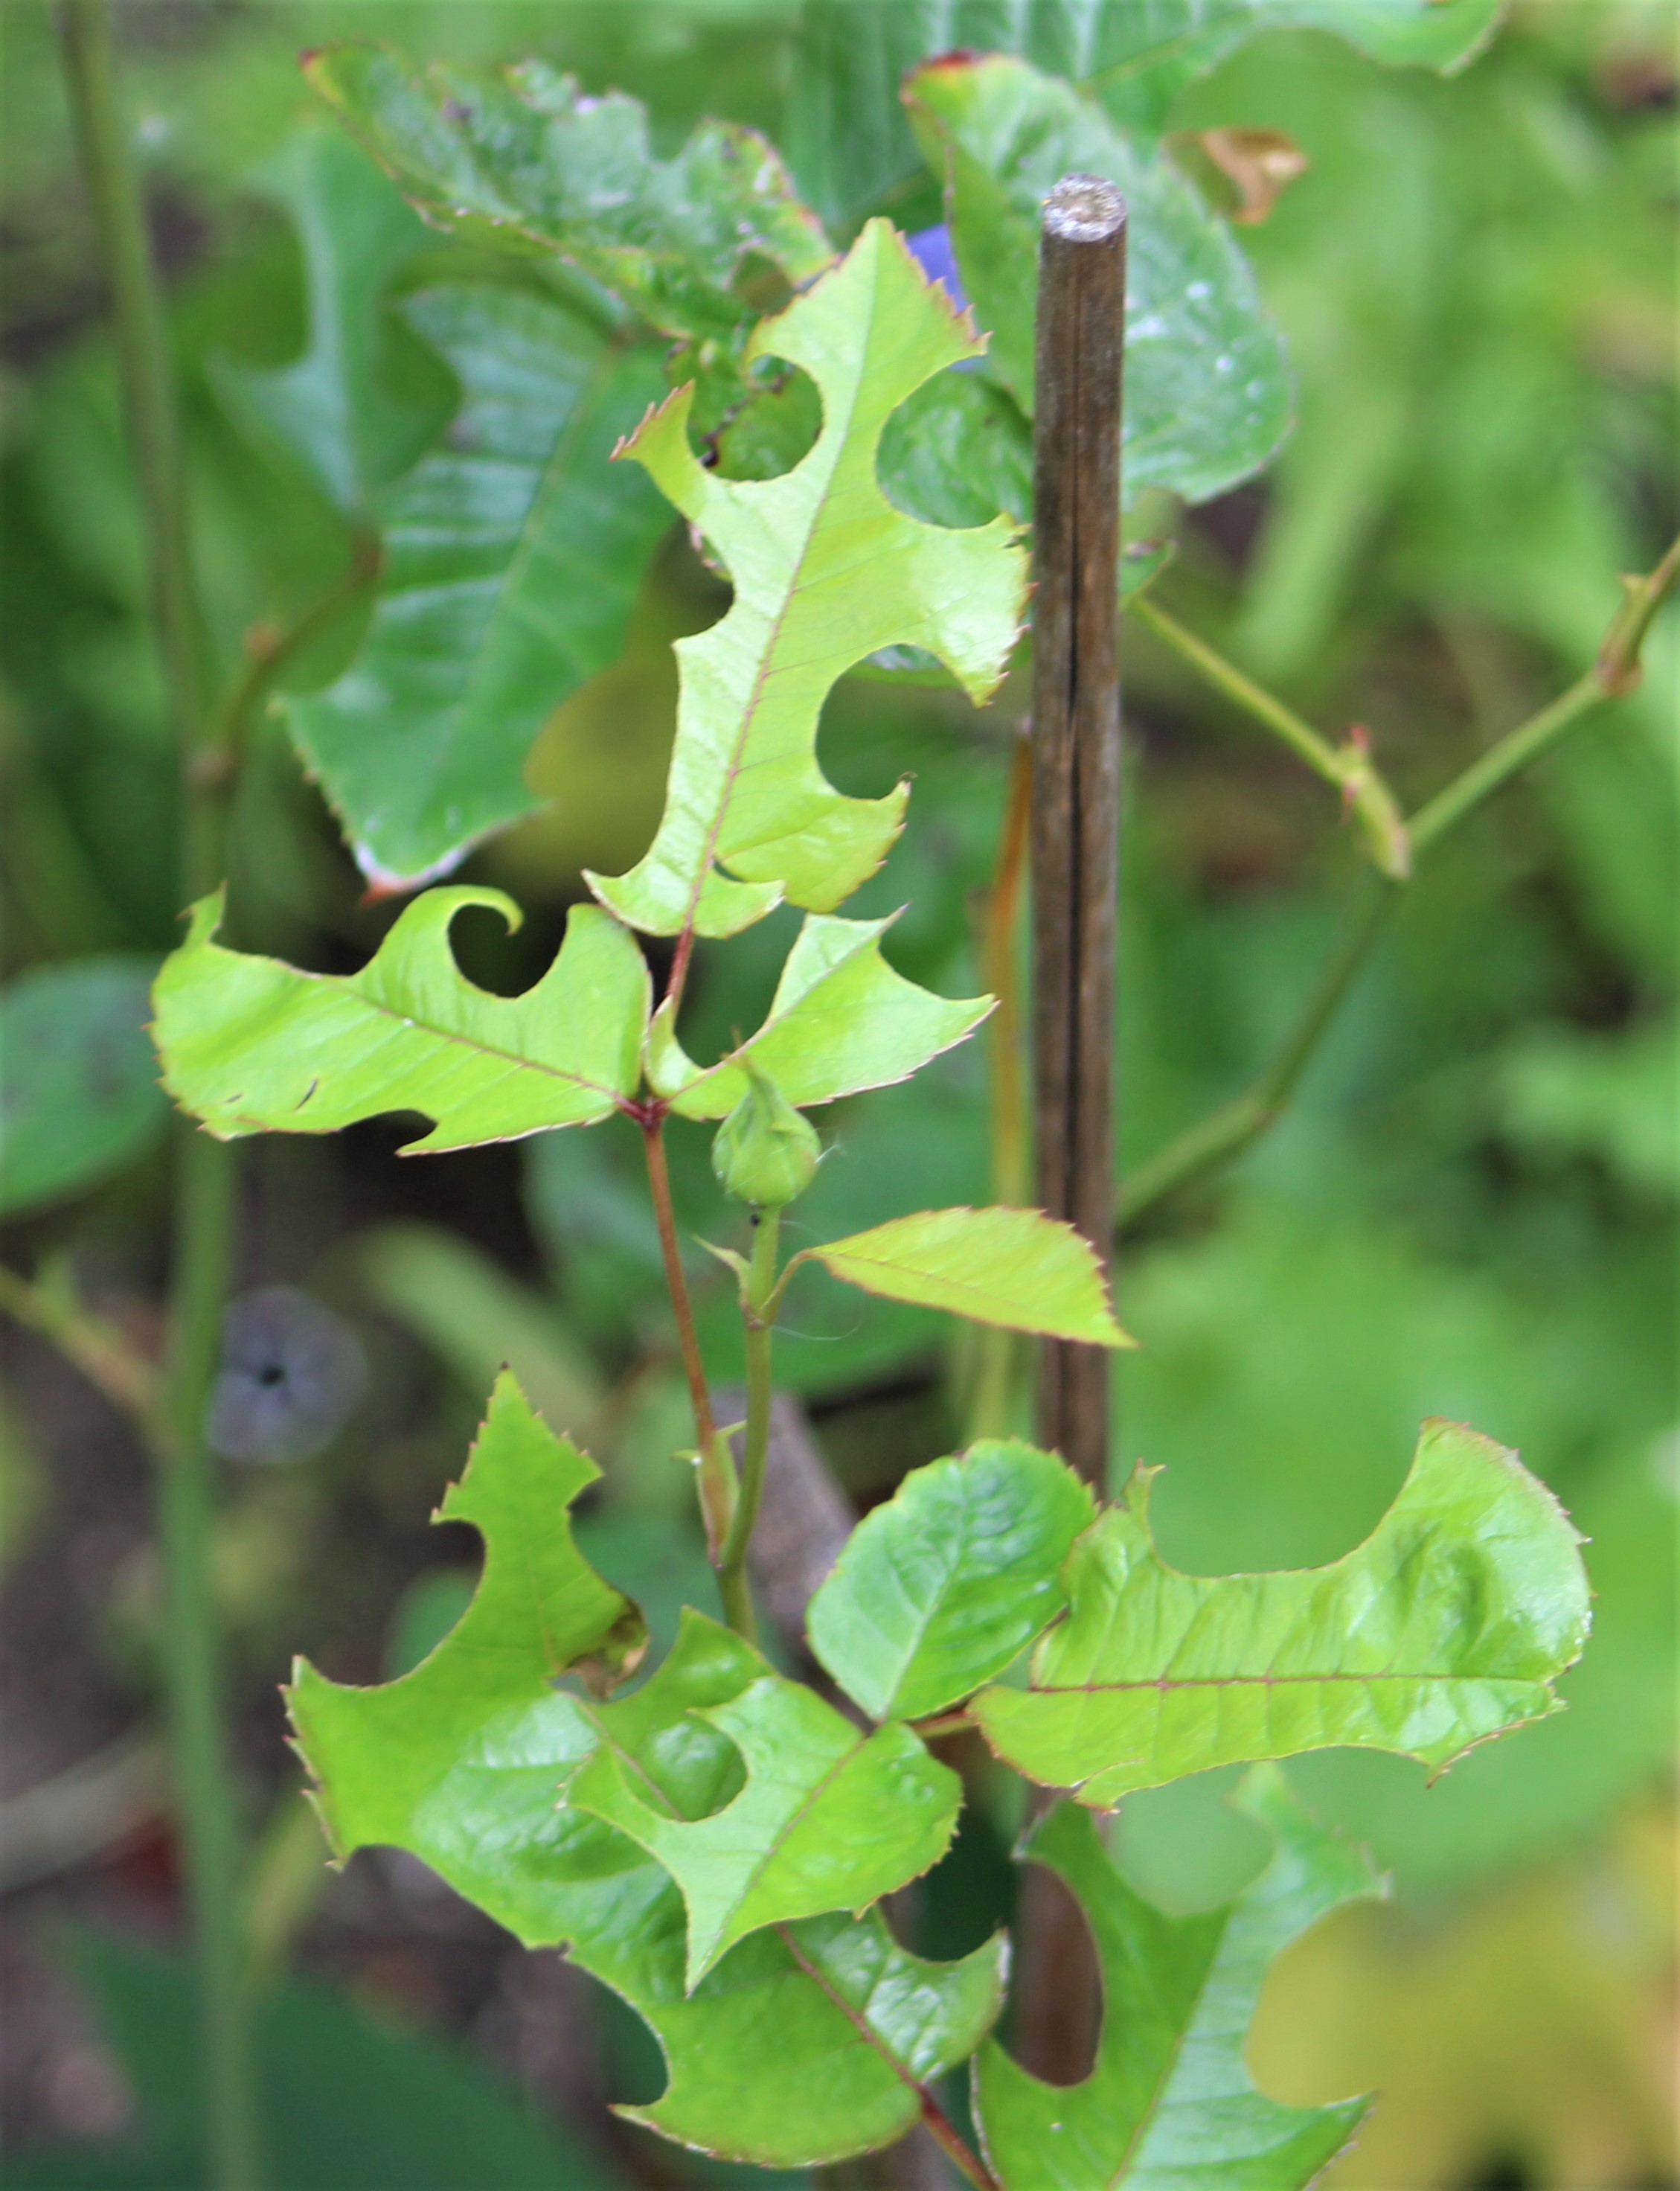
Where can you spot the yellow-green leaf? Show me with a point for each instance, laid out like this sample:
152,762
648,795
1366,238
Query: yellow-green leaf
1014,1267
1448,1625
825,571
251,1045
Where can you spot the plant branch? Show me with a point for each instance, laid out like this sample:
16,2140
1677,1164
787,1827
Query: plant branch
268,653
1348,767
98,1349
1217,1140
716,1467
759,1289
203,1183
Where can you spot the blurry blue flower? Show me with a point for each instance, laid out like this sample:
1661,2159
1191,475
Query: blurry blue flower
931,249
291,1372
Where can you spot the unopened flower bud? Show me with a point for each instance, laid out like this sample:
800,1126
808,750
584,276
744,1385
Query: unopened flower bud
765,1153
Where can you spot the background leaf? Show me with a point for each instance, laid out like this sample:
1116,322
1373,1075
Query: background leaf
251,1045
1448,1625
1170,2101
825,570
79,1098
1016,1267
525,157
943,1585
1207,394
511,558
853,153
339,407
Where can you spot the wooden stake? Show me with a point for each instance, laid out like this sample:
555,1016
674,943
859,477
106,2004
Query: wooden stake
1075,849
1075,786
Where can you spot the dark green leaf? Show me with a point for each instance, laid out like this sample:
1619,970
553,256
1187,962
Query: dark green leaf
513,556
337,408
252,1045
524,159
943,1585
1207,395
350,2101
79,1098
1447,1626
850,147
1170,2105
826,1819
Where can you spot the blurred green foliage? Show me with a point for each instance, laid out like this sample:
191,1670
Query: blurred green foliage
1469,1211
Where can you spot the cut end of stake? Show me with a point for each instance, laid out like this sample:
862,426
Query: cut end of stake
1084,209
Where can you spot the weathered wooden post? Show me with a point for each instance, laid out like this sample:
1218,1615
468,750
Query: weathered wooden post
1075,843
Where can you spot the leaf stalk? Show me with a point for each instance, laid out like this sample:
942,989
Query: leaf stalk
759,1294
717,1475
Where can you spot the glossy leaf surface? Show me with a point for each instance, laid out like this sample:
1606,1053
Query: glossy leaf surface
337,408
825,571
1448,1625
1169,2104
853,152
513,556
1015,1267
252,1045
526,158
79,1098
943,1585
460,1760
1207,395
841,1020
826,1819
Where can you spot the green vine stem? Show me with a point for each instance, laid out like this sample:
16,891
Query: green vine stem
1219,1138
996,1349
204,1185
1349,767
717,1475
759,1298
98,1349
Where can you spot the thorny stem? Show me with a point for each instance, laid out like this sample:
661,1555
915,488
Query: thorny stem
716,1476
1216,1140
759,1294
989,1416
1349,767
203,1179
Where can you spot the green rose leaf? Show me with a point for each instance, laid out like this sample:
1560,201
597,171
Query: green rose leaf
1016,1267
339,407
524,159
1169,2102
943,1585
841,1020
252,1045
461,1760
79,1098
1208,397
826,1819
853,152
1447,1626
825,570
513,555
